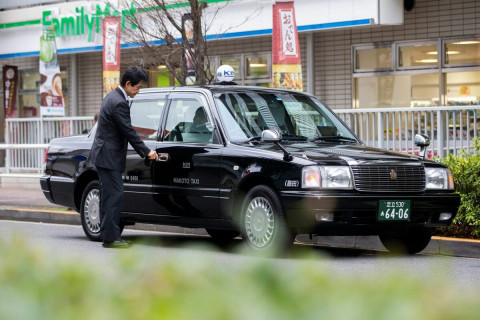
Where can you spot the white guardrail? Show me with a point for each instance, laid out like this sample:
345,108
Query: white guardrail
28,138
450,129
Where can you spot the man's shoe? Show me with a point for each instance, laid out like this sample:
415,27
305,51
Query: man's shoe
119,244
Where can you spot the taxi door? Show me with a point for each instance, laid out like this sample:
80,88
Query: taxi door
145,113
186,179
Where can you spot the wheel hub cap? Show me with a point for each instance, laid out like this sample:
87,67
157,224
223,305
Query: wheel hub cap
259,222
92,211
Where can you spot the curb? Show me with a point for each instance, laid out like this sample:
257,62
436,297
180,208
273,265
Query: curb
438,245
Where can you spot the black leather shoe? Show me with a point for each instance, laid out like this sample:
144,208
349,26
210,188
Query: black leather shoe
119,244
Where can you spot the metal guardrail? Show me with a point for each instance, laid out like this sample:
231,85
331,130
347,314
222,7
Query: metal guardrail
450,129
28,138
25,158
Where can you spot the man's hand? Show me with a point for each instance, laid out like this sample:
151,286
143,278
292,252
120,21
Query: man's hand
152,155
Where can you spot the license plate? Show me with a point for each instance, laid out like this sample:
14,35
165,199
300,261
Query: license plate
394,210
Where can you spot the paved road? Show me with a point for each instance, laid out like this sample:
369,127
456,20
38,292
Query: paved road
69,242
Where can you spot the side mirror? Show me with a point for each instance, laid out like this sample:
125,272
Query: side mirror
271,136
275,137
422,141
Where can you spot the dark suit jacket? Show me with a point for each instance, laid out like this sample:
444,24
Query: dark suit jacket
114,132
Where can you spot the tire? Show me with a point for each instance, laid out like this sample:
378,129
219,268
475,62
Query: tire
90,212
222,236
263,223
413,241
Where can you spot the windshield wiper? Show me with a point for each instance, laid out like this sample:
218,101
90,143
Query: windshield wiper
334,138
254,138
294,137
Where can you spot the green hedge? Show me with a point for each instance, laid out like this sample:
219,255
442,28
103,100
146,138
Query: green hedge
465,169
34,285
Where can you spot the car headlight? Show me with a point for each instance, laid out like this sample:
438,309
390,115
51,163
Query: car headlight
438,179
327,177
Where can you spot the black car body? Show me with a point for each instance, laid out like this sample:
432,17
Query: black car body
264,162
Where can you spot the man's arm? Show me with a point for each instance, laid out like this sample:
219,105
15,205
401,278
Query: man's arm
121,117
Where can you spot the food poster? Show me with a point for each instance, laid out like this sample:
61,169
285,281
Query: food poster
111,53
51,94
287,63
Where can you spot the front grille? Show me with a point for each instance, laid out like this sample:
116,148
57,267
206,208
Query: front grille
384,178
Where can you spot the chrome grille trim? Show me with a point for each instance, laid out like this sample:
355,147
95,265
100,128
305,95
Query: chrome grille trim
377,178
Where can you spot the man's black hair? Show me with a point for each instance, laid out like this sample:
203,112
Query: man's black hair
133,74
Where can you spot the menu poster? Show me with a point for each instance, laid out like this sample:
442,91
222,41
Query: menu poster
51,93
10,87
287,63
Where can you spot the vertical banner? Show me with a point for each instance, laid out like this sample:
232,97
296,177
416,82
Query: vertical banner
287,64
111,53
10,87
51,94
187,54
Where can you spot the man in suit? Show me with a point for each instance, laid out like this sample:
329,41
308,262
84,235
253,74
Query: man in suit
109,151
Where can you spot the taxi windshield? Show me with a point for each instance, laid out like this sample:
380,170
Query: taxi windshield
298,117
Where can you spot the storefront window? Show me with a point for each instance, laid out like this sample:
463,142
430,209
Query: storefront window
254,69
417,55
462,88
397,91
462,52
257,67
235,63
368,59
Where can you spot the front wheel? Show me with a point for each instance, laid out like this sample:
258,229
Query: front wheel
263,222
411,242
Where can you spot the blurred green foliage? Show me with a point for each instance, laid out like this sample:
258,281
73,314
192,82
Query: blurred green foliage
465,169
34,285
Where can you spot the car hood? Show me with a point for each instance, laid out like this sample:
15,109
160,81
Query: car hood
352,154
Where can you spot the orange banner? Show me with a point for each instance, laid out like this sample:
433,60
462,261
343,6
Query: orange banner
111,53
287,63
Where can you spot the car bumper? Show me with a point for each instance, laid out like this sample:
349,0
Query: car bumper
46,188
356,213
58,190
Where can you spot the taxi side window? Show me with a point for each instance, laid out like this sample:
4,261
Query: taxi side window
187,121
145,116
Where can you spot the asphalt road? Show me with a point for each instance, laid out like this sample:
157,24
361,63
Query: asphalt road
69,242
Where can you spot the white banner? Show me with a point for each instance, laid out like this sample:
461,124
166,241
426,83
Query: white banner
51,93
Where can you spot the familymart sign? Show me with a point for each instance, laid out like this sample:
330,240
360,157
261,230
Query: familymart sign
85,21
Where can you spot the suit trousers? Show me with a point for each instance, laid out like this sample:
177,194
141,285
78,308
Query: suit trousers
111,203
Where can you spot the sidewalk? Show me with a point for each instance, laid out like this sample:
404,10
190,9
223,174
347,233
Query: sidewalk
31,205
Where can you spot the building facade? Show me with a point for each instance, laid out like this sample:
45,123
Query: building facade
355,54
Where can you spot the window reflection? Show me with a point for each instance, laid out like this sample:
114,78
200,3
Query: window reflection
418,55
257,67
463,88
375,58
235,64
462,52
397,91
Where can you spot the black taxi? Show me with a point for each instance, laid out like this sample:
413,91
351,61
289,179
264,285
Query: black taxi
266,164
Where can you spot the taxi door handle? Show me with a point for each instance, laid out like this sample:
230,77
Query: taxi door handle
163,157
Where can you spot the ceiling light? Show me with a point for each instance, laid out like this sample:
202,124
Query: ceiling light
448,52
466,42
257,65
426,61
